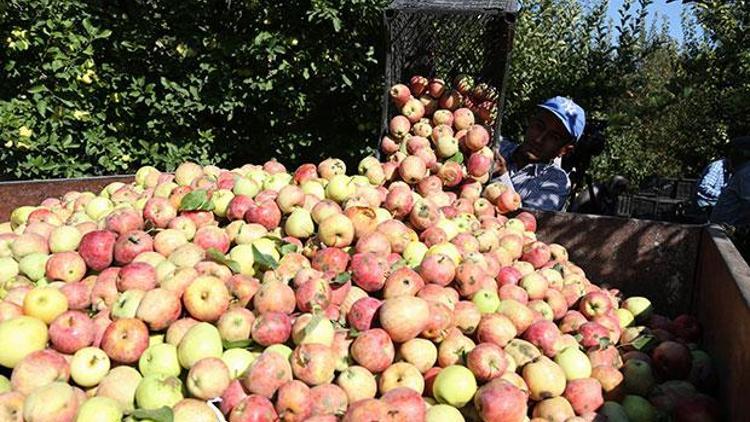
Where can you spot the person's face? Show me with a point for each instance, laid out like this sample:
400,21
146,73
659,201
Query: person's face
546,138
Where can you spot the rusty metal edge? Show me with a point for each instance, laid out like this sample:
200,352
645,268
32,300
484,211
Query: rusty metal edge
736,264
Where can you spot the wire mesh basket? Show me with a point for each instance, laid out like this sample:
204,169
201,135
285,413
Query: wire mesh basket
441,38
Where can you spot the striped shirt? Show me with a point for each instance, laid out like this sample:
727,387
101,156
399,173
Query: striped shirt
542,186
713,180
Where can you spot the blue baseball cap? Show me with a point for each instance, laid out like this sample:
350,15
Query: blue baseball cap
570,113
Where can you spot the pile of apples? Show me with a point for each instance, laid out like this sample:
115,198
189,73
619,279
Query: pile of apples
258,294
441,131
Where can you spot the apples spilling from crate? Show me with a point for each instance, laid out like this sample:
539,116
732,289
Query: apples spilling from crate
257,294
441,132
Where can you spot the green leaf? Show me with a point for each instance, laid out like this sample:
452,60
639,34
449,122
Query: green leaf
104,34
642,342
314,321
233,265
89,27
342,278
239,344
457,157
265,261
558,268
288,248
162,414
604,342
196,200
37,88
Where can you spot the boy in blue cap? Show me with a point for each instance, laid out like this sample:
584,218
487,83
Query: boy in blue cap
530,167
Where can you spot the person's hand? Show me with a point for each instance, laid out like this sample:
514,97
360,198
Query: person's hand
500,165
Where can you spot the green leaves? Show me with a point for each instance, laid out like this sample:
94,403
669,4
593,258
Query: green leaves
162,414
457,157
215,255
196,200
239,344
263,260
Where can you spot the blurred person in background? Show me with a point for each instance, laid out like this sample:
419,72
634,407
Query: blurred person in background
733,205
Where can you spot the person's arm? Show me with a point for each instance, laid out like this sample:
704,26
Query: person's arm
548,191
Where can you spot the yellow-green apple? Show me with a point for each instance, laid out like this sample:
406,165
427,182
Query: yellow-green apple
535,285
64,239
187,256
125,339
237,361
419,352
4,384
159,308
236,324
45,303
289,197
157,390
52,402
254,408
625,318
168,240
33,265
39,369
71,331
126,305
101,409
120,385
299,224
454,385
89,366
245,186
200,341
28,243
486,300
266,374
185,225
160,359
544,378
574,363
187,172
206,298
443,413
358,383
177,330
640,307
324,209
208,378
336,231
98,207
308,328
401,374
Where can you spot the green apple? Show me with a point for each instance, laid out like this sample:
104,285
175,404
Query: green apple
201,341
127,303
99,409
160,359
313,329
299,224
248,233
20,215
340,188
486,300
267,246
8,269
245,186
257,175
314,188
146,176
99,207
89,366
33,265
4,384
624,317
443,413
448,249
414,253
277,181
156,339
454,385
64,239
163,190
282,349
638,377
613,411
638,409
157,390
574,363
165,270
640,307
449,227
238,360
243,255
221,199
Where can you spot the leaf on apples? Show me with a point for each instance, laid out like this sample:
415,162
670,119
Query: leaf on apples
642,342
239,344
314,321
287,248
215,255
457,157
353,333
342,278
604,342
558,268
265,261
398,264
162,414
196,200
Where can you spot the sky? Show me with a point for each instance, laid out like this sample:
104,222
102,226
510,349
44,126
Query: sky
660,9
